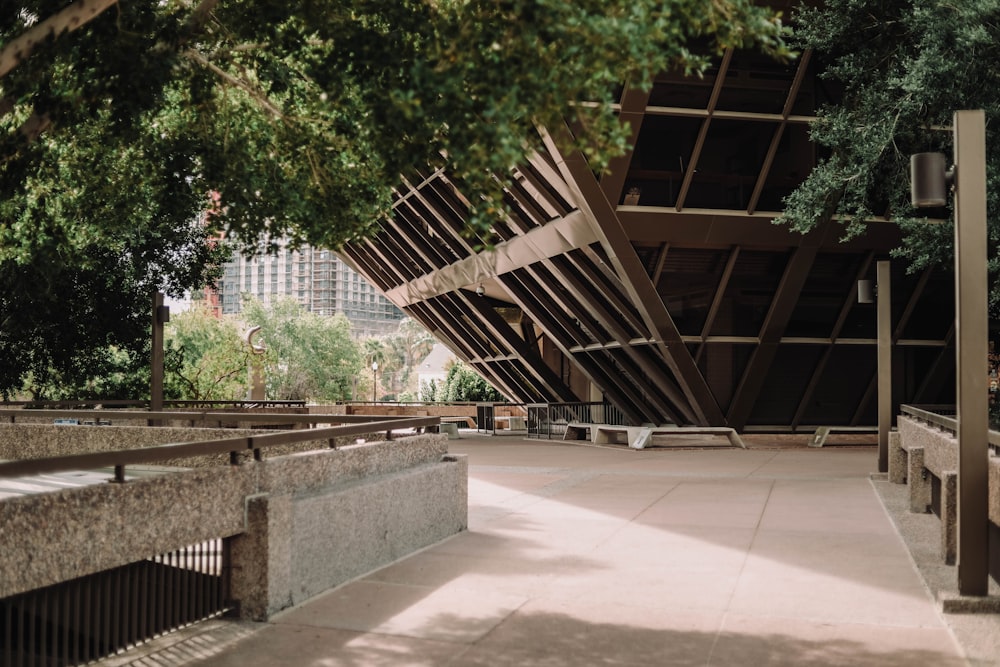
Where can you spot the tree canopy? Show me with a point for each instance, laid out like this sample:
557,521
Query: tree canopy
307,356
123,122
302,115
905,66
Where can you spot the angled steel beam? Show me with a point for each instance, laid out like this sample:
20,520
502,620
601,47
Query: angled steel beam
561,298
838,326
699,143
625,395
554,322
562,337
361,262
785,298
398,224
937,373
459,332
720,292
918,291
503,333
555,238
409,224
641,357
633,110
661,261
458,345
612,290
591,200
772,150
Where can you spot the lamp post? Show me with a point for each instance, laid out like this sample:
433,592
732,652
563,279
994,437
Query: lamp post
374,380
161,315
929,188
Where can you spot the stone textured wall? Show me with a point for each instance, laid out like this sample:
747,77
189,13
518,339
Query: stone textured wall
47,538
343,534
29,441
940,452
940,446
300,523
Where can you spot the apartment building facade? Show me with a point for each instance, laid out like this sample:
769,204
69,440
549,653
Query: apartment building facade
316,278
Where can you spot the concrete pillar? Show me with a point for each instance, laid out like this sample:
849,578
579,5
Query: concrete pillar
919,482
949,516
261,578
898,459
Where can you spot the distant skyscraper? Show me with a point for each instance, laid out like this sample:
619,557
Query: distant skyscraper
316,278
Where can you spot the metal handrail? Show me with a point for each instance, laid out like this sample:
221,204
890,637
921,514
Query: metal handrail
11,415
926,414
233,446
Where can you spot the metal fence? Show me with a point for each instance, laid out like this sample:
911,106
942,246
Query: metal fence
78,621
502,417
549,420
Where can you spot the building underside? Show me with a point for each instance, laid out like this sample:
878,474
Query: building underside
663,287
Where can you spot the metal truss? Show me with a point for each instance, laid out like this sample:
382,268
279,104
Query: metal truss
586,284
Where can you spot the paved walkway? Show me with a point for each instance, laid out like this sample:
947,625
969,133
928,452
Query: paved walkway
579,555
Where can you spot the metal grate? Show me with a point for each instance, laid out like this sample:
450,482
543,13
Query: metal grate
91,617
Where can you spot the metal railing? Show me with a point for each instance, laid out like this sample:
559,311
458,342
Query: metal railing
548,420
84,619
141,404
354,425
491,415
943,416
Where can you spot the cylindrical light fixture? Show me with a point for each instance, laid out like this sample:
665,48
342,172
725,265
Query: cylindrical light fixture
866,291
928,180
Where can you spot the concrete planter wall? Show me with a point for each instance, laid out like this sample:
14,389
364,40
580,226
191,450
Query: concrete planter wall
300,523
925,458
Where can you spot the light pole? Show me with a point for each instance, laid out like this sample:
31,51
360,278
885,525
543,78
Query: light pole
374,380
929,189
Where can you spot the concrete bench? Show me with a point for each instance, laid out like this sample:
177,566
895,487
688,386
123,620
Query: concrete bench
822,432
448,428
639,436
513,422
464,422
926,458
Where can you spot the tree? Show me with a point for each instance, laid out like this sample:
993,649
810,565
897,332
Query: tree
308,357
205,357
399,352
117,119
428,391
302,115
905,67
464,384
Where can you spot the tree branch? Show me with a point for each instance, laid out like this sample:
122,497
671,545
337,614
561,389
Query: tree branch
229,78
74,16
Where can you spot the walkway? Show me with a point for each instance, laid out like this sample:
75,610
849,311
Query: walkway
579,555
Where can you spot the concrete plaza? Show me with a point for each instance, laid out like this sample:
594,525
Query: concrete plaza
583,555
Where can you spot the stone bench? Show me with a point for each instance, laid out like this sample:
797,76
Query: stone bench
639,436
449,428
512,423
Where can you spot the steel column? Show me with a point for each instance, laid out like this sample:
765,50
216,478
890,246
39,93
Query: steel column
972,391
883,281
